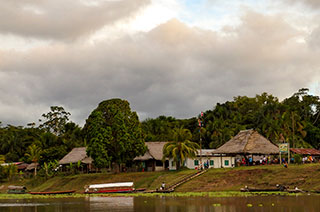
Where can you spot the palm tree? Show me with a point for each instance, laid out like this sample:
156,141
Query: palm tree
181,147
34,154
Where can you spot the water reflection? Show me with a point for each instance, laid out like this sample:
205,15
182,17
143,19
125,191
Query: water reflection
111,203
171,204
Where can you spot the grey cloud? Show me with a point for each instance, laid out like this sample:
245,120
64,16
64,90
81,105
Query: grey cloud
61,19
172,70
314,4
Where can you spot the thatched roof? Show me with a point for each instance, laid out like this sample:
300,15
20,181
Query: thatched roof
76,154
314,152
154,151
32,166
206,152
248,142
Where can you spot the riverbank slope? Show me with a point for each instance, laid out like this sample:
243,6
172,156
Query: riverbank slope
303,176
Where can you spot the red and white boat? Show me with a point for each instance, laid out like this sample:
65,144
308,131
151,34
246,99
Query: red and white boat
123,187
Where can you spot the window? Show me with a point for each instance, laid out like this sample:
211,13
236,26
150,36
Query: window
173,163
226,162
196,162
159,163
211,162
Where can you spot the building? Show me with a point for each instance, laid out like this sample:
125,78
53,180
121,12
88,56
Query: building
152,159
248,142
76,155
206,157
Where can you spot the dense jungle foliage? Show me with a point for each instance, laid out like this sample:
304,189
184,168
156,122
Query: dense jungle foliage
294,120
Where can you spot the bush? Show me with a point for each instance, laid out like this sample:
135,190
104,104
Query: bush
297,158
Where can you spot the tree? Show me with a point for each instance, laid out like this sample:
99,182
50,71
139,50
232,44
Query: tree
55,120
181,147
113,134
72,137
34,154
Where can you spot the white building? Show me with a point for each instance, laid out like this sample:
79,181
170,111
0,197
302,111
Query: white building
208,157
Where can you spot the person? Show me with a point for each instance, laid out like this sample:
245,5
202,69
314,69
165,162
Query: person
243,162
86,189
285,164
292,160
163,186
281,187
250,161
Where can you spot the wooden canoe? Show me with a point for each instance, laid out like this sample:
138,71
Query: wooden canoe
52,192
121,190
247,189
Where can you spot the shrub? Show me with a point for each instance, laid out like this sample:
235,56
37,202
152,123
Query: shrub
297,158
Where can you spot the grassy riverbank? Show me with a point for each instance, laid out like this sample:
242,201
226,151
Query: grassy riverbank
306,177
174,194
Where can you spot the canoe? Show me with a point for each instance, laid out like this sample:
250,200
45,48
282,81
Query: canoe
52,192
278,187
16,189
259,189
124,190
120,187
295,191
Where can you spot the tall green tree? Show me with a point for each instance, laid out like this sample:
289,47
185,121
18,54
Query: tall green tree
113,134
55,120
72,136
34,154
181,147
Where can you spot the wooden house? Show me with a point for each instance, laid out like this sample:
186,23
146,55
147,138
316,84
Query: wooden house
152,159
76,155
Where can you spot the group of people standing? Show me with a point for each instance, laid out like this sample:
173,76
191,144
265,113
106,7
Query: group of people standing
250,162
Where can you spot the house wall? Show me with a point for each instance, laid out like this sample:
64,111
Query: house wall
214,162
152,165
159,168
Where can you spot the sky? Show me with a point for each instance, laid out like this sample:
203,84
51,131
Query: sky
166,57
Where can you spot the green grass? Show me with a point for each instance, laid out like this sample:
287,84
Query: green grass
306,177
174,194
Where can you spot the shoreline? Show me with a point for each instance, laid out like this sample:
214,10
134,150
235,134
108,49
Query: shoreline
217,194
215,182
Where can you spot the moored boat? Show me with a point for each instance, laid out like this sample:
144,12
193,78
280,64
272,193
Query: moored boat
121,187
52,192
272,189
16,189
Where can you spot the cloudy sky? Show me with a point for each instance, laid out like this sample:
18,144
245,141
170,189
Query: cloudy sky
166,57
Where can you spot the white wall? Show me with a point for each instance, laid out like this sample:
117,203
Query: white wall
159,168
190,163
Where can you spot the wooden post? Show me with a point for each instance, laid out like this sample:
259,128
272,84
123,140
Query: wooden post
288,152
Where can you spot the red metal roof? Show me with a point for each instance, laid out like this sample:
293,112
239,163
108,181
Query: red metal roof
305,151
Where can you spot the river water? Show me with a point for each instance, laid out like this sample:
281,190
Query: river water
172,204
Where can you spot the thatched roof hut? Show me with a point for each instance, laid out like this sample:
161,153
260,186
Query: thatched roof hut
76,154
248,142
154,151
32,166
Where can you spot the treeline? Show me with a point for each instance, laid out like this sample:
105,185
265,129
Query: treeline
294,120
113,127
49,141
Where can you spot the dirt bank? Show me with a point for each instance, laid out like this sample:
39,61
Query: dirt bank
304,176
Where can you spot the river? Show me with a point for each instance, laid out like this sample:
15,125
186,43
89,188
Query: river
173,204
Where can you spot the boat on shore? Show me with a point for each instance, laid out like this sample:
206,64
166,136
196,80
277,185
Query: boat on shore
272,189
52,192
121,187
12,189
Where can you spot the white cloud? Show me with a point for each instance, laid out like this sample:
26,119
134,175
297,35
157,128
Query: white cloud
60,19
166,68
